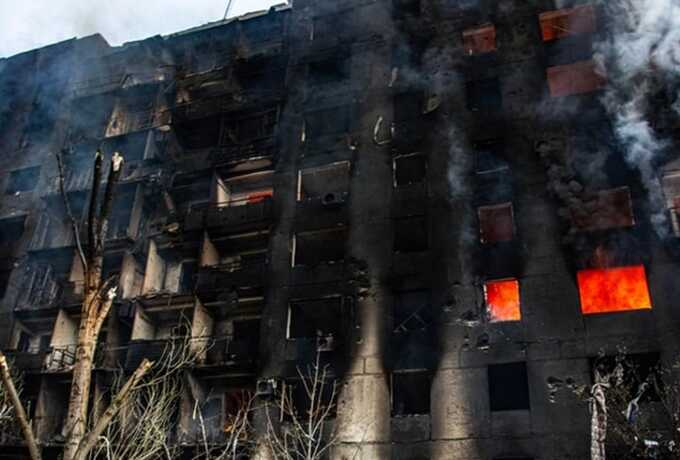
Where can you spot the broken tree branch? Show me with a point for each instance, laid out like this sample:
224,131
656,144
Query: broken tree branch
90,440
31,442
69,213
107,201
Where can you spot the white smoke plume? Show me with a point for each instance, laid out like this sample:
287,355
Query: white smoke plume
641,54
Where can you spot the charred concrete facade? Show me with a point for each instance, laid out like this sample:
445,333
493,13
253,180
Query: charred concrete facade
421,191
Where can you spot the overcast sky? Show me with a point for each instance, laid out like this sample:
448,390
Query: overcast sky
28,24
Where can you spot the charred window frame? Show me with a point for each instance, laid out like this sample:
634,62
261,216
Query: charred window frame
331,28
119,225
489,157
613,209
558,24
410,393
496,223
330,182
326,122
484,95
508,387
409,169
22,180
315,318
412,311
331,69
191,189
249,128
319,247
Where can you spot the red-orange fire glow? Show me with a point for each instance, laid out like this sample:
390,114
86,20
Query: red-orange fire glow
502,300
613,289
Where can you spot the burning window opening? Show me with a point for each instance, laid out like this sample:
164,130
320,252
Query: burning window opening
412,311
575,78
502,300
22,180
409,169
333,69
508,387
479,40
671,189
484,95
244,189
325,122
496,223
329,183
319,247
611,208
565,22
411,234
410,393
315,318
611,290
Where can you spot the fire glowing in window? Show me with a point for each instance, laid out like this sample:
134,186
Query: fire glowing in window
502,300
576,78
569,21
613,289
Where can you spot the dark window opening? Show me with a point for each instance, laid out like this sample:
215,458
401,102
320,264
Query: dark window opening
327,121
119,220
187,276
4,281
489,157
323,246
409,169
191,189
611,208
496,223
508,387
329,182
314,318
411,393
11,230
248,129
301,402
412,311
408,106
410,234
333,69
23,180
247,334
484,95
402,8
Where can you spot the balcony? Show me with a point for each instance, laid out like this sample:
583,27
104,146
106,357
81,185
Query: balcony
217,282
200,107
232,217
28,361
97,85
258,148
227,351
153,350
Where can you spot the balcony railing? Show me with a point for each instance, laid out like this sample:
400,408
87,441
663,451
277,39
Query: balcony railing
211,280
230,352
231,217
28,361
264,147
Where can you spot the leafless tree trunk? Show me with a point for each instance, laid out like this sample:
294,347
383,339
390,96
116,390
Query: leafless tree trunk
98,298
303,436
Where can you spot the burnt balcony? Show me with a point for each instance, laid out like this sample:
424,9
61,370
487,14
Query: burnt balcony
153,350
264,147
228,351
201,107
98,85
220,281
47,293
31,361
232,217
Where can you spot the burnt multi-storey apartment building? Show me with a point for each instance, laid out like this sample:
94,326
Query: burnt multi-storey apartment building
436,196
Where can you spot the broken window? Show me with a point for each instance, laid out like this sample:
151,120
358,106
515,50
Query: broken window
489,157
329,182
23,180
484,95
479,40
333,69
407,106
609,209
412,311
409,169
322,246
411,393
616,289
496,223
410,234
508,387
502,300
248,129
325,122
576,78
244,189
314,318
565,22
671,189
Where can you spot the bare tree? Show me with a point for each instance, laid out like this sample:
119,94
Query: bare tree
98,298
304,435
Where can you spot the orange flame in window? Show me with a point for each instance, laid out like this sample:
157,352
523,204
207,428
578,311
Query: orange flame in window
613,289
502,300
